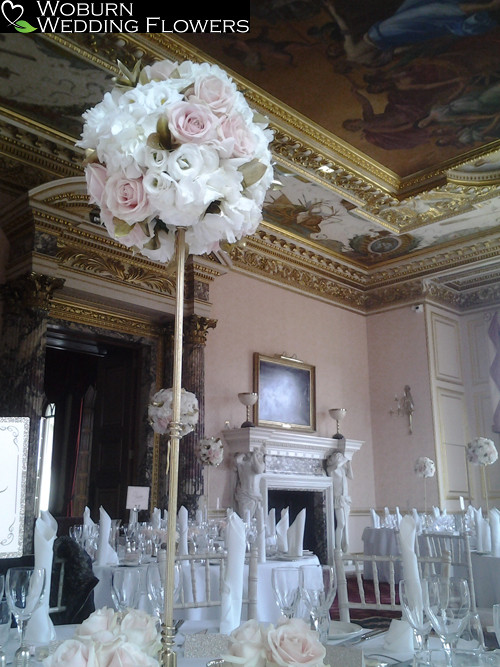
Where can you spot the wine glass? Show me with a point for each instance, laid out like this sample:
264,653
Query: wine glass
414,612
287,584
25,587
125,587
319,590
447,603
248,398
155,583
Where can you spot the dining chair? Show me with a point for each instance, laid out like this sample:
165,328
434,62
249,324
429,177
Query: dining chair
370,582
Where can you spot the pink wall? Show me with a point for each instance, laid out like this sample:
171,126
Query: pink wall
254,316
397,355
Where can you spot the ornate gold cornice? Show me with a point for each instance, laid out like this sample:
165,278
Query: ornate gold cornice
94,314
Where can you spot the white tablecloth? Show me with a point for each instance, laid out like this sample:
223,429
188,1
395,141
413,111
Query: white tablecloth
381,542
267,610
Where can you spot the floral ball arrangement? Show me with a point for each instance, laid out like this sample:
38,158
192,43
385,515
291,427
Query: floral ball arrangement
160,411
176,145
110,639
424,467
291,643
481,451
210,451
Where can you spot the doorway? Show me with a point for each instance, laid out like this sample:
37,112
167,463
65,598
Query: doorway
92,384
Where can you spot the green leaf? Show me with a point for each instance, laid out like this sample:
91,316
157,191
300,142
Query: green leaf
23,26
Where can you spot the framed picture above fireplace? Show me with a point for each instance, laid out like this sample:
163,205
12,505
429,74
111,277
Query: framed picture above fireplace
287,393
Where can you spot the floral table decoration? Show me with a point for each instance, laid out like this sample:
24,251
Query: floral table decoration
291,643
160,411
210,451
110,639
177,162
482,452
424,467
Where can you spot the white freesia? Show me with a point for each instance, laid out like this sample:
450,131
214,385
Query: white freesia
187,150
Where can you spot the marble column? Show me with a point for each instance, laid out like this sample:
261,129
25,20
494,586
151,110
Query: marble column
26,303
196,329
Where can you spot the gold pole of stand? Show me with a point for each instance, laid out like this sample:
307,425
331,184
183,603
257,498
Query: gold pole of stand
168,655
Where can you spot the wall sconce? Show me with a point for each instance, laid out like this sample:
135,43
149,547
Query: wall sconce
405,407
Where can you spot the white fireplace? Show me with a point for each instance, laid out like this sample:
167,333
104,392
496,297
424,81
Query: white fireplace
294,462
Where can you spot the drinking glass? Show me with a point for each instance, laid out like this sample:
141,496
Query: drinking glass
125,587
287,584
25,587
155,583
318,590
447,603
496,621
415,614
5,623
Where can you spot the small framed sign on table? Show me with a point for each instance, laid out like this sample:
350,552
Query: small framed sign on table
286,393
14,439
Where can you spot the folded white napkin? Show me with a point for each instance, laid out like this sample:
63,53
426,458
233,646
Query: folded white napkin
182,522
399,637
282,531
87,521
271,523
494,516
417,519
483,533
295,535
105,554
398,517
375,519
437,512
261,535
156,518
413,585
232,584
40,629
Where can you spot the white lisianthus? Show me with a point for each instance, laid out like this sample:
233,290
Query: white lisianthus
184,123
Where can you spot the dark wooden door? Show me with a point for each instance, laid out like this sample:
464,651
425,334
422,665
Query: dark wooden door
115,427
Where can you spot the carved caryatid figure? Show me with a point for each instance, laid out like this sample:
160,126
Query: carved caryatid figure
249,468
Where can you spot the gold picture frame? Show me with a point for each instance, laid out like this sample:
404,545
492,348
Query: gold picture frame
286,389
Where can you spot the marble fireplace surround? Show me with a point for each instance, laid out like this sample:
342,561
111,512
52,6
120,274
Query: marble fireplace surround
294,462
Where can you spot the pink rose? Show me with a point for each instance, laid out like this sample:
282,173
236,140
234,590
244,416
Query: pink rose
96,176
124,654
246,645
218,94
160,71
234,128
126,198
193,123
140,628
72,653
98,625
294,643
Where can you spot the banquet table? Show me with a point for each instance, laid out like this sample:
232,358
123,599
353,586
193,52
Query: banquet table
267,610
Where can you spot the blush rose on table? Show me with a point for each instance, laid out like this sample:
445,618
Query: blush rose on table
291,643
110,639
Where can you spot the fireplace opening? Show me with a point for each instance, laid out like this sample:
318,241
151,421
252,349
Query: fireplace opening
315,535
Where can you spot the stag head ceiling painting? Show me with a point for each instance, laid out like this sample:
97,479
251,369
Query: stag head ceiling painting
386,119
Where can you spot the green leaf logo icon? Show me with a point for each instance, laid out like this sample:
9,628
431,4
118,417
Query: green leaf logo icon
23,26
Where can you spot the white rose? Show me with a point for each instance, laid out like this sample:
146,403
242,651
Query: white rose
99,622
139,628
123,654
72,653
193,161
246,645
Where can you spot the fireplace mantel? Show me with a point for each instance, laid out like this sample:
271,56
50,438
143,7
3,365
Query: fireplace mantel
295,461
283,442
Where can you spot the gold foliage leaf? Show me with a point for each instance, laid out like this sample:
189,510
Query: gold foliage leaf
252,172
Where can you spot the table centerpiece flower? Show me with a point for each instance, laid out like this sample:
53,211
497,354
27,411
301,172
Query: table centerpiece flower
424,467
160,411
291,643
110,639
482,452
176,145
210,451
